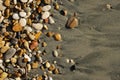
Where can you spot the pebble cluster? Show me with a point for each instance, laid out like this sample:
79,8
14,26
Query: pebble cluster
22,23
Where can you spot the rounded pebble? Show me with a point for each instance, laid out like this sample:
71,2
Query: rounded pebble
46,8
22,22
22,14
10,53
45,15
55,53
15,16
37,26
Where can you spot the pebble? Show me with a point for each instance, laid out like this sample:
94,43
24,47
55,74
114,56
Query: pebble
26,45
44,44
10,53
45,15
7,3
72,22
2,8
56,6
22,14
46,8
22,21
37,35
2,43
47,64
55,53
47,1
33,44
24,1
15,1
3,75
37,26
28,29
13,60
31,36
15,16
28,67
17,27
18,78
1,18
4,49
51,20
20,62
26,56
57,37
35,65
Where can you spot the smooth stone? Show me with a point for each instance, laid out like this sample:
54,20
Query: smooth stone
22,14
45,15
10,53
23,22
55,53
28,29
51,20
24,1
15,1
46,8
15,16
2,7
37,26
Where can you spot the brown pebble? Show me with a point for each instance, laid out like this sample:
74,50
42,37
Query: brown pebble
33,44
44,44
39,78
56,71
35,65
39,9
52,67
57,37
17,27
37,35
7,12
42,68
56,6
72,22
50,34
29,21
47,1
7,3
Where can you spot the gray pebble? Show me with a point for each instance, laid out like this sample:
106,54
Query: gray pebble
10,53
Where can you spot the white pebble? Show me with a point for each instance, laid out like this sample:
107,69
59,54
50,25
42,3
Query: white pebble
45,15
23,22
28,29
24,1
15,1
1,19
22,14
15,16
46,8
55,53
51,20
26,56
50,78
37,26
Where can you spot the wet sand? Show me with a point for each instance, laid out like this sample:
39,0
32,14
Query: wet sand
94,44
